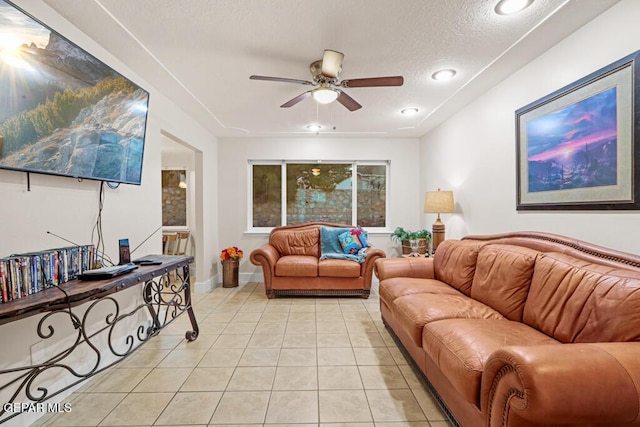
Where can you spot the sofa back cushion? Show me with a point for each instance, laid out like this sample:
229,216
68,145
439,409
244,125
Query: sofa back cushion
455,263
502,278
296,242
578,301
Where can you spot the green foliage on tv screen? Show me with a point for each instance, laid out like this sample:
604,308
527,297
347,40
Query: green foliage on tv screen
33,125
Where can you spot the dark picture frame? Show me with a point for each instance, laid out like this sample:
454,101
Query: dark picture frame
577,148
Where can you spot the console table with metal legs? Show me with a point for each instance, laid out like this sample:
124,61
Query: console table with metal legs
166,294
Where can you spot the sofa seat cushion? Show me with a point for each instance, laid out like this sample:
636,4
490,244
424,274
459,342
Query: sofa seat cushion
297,266
338,268
461,347
416,310
390,289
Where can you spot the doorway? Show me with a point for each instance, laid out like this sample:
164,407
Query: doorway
180,164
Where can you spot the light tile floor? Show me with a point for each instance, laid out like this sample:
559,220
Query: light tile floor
280,362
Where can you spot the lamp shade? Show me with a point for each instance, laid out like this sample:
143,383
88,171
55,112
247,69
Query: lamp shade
439,202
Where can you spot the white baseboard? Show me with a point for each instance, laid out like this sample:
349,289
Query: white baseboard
205,287
251,277
216,282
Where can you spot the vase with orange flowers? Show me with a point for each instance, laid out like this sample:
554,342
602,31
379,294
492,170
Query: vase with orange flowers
230,259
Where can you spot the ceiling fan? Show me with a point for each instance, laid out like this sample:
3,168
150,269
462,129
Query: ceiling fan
328,88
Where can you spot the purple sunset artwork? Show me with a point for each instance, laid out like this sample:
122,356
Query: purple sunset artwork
574,147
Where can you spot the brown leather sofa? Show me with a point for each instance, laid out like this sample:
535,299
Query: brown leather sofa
521,329
292,266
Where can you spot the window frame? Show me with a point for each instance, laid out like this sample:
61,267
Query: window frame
283,189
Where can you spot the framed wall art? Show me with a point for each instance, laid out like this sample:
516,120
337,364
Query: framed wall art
576,148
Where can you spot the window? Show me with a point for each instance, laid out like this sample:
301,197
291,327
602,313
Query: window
372,195
296,192
174,197
267,195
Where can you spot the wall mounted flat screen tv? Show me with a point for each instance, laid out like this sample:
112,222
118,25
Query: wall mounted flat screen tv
63,111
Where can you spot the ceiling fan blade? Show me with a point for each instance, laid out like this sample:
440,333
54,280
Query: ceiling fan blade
332,63
374,81
348,102
281,79
297,99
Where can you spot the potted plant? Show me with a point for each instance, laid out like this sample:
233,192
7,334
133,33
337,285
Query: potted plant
230,259
403,236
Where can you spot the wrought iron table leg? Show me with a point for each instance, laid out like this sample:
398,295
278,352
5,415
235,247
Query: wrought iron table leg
148,299
193,334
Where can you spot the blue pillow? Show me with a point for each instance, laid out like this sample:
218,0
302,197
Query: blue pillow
329,239
353,240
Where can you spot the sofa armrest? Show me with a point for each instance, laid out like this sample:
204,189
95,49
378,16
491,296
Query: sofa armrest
366,269
419,268
266,256
565,383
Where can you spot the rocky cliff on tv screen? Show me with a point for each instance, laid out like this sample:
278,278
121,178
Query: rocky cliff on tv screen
62,111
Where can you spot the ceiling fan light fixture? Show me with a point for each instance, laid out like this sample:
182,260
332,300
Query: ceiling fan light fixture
409,111
325,95
509,7
443,74
327,87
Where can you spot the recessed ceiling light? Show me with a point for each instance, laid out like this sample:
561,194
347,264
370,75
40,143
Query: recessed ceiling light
409,111
314,128
443,74
509,7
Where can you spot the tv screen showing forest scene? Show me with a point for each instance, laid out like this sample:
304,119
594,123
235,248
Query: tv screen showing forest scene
63,111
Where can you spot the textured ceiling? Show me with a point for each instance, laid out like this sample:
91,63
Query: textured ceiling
200,53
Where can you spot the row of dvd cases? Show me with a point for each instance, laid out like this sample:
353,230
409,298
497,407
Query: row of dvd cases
25,274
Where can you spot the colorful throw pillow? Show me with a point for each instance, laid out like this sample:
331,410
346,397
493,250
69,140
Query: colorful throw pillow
353,240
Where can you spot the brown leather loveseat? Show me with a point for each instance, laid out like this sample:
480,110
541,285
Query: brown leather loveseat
521,329
292,262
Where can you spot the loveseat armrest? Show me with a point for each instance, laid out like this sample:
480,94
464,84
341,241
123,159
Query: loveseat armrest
266,256
366,269
563,384
419,268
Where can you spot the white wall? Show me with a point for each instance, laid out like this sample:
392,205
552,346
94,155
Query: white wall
234,153
473,153
69,208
